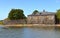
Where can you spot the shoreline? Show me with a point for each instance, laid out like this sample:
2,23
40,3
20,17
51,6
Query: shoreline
32,25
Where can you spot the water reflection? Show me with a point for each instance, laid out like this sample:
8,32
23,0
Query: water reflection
29,33
11,33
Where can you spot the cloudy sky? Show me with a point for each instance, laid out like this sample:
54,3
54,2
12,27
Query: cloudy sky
28,6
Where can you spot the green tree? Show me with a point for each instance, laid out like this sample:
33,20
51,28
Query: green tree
58,14
35,11
16,14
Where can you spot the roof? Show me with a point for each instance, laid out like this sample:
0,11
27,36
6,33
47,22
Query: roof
42,14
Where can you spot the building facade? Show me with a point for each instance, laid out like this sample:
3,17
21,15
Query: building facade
41,18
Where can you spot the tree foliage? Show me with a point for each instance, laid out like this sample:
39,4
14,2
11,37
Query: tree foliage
35,11
16,14
58,14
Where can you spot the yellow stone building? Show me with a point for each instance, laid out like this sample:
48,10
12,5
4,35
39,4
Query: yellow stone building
41,18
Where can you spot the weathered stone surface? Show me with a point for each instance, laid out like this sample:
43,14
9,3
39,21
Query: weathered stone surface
42,18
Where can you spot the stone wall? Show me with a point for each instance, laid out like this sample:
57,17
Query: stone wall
15,21
50,19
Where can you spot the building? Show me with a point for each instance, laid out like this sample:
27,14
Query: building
43,17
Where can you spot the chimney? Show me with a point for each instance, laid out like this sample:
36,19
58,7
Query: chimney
43,10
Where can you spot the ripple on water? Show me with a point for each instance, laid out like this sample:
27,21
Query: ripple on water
29,33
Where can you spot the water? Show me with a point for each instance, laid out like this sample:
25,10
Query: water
29,33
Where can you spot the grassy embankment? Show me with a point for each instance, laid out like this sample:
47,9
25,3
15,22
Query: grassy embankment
1,22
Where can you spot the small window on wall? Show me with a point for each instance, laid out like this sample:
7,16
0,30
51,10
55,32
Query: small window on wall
51,17
47,17
29,17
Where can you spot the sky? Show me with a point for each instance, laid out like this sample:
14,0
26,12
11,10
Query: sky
28,6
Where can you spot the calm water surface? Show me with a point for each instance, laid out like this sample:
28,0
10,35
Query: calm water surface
29,33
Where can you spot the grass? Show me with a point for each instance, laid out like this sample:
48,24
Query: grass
1,23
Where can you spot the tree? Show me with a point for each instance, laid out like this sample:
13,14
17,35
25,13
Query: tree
35,11
16,14
58,14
